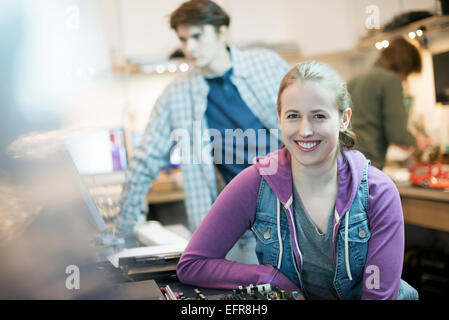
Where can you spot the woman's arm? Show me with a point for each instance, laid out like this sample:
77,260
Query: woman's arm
385,256
203,262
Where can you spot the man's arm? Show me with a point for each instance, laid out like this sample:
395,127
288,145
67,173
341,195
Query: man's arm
145,166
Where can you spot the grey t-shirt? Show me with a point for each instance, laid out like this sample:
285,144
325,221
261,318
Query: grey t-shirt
318,269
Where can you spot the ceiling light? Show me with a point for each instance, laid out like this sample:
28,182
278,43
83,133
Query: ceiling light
172,67
160,69
184,67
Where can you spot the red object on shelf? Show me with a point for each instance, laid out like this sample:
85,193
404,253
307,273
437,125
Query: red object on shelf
429,175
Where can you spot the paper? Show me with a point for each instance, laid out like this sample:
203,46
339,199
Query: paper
143,252
153,233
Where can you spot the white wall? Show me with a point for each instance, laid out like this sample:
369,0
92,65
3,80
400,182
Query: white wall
317,27
146,27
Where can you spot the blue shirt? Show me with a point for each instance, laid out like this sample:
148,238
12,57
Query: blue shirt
257,72
227,113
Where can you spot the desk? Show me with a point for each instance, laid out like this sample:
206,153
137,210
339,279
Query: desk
155,197
166,188
133,286
427,208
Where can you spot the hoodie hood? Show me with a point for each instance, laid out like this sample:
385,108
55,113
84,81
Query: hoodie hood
275,168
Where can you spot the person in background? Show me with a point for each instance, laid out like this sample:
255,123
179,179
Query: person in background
227,89
380,117
327,223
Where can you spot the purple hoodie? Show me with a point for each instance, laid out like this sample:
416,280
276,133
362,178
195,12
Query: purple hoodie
203,263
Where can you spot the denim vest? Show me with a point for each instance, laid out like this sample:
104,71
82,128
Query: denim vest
268,246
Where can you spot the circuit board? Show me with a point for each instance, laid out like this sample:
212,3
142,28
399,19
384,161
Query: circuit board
251,292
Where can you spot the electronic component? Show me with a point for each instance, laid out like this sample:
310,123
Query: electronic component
251,292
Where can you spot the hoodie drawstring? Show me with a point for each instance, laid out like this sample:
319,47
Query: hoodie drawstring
348,269
291,220
279,233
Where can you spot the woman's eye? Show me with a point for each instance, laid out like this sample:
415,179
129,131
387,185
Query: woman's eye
319,116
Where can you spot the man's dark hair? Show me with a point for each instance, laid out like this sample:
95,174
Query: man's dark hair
401,56
199,13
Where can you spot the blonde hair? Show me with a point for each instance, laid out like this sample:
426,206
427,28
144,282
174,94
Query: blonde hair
328,77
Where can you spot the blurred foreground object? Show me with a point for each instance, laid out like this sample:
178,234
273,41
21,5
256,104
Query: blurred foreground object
45,231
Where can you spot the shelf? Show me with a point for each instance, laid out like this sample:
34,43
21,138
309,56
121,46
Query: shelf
432,24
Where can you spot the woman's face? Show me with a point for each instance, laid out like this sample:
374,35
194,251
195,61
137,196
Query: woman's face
310,122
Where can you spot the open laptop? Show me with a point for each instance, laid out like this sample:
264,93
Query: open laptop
99,159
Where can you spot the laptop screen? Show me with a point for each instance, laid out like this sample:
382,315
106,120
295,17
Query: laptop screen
94,216
99,151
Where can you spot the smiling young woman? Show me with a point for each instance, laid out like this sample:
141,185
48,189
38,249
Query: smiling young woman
323,220
314,109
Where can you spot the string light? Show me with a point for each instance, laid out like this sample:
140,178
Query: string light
184,67
172,67
160,69
382,44
412,35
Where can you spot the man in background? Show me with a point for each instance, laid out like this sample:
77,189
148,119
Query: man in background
226,89
379,115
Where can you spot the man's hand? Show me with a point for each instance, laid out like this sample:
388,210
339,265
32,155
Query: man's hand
422,142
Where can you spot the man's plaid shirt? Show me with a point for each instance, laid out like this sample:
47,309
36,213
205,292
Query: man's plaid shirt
257,74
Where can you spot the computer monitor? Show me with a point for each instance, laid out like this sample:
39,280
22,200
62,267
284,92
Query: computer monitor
175,152
441,77
99,151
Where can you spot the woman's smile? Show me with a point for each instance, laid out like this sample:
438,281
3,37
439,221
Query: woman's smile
307,145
